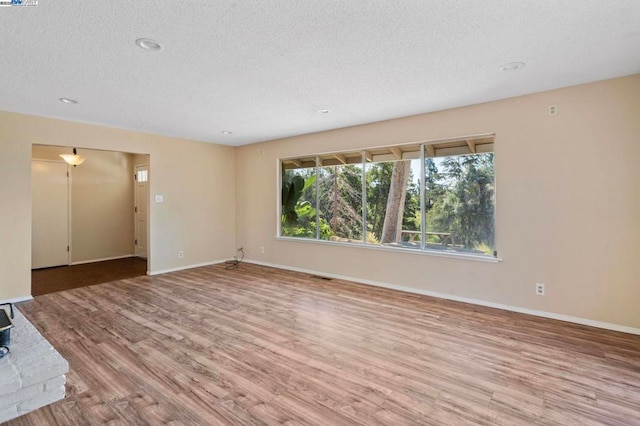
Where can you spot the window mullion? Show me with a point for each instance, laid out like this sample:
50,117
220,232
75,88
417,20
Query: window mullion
317,198
280,182
423,212
364,198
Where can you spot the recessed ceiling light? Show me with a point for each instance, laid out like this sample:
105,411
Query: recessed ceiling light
148,44
226,132
512,66
68,101
324,111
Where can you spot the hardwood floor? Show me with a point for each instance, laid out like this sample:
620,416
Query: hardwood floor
50,280
264,346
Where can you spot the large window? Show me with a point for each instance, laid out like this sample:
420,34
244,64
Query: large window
436,197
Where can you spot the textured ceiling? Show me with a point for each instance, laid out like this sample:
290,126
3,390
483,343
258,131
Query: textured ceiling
262,69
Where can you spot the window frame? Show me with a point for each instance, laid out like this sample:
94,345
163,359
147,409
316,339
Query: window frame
365,155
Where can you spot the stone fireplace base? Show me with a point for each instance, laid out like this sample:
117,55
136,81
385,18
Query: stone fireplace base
32,375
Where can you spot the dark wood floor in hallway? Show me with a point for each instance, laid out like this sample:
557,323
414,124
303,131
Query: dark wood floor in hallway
50,280
263,346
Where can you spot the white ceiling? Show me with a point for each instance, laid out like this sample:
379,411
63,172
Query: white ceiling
263,68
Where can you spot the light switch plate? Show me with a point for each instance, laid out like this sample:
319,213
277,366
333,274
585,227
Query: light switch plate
159,199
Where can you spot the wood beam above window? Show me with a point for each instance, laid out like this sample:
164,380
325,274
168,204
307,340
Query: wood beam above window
341,158
431,150
472,146
459,146
397,152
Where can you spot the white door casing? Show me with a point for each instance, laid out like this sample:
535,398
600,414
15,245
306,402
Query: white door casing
50,214
141,183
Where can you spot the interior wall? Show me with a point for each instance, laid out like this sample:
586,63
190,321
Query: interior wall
567,213
140,159
197,216
102,201
568,210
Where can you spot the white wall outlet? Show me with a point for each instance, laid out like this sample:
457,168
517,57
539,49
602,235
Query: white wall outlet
540,289
159,199
180,254
262,250
553,110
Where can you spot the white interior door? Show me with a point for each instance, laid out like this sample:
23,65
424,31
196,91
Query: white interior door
50,214
141,209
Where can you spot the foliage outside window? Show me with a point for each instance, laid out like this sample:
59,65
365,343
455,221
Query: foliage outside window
298,213
426,197
340,202
393,203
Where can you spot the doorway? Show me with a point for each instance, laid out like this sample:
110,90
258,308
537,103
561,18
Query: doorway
84,232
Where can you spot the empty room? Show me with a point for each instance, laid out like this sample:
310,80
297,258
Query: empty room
320,212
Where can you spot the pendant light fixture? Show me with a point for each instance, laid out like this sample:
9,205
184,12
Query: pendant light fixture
74,160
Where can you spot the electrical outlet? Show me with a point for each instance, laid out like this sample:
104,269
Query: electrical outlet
180,254
262,250
540,289
553,110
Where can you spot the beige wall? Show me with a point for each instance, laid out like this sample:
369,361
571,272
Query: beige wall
568,203
140,159
198,214
550,226
102,202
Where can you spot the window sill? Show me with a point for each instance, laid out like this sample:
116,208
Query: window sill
435,253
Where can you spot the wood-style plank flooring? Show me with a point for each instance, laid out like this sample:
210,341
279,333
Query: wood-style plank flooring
260,346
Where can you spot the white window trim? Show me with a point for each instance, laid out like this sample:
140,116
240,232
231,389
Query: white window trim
419,251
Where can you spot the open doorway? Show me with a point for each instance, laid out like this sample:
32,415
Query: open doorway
87,219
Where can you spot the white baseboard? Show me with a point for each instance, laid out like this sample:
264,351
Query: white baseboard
17,299
543,314
82,262
182,268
